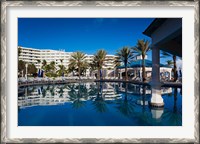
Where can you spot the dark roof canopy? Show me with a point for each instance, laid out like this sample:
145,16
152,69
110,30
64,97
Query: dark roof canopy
171,42
154,25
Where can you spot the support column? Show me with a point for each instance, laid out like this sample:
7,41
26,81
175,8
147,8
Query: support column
120,75
156,99
170,74
140,73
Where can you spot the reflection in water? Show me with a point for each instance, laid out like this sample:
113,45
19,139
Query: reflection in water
99,102
127,103
157,113
77,94
173,116
175,99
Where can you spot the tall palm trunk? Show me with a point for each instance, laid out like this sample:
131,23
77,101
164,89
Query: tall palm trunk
98,74
126,73
102,74
143,69
79,72
175,68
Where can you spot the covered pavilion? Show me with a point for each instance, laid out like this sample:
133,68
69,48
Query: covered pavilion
135,70
166,35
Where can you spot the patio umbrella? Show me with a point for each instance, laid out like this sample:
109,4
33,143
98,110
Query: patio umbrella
39,73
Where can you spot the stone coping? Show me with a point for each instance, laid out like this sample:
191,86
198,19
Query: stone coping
165,84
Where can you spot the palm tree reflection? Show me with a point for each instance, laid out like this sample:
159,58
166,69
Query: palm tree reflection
99,102
143,98
145,116
77,95
173,117
175,99
93,91
125,106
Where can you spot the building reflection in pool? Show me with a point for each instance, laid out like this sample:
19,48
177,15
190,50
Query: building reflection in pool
130,100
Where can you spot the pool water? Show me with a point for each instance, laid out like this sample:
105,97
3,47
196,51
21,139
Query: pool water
97,104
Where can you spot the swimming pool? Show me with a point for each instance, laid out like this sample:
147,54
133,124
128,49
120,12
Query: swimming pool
97,104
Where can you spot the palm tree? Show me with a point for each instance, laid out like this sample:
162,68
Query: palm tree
32,69
19,51
47,68
98,61
84,68
124,55
92,66
142,48
77,60
39,61
21,66
44,63
117,63
169,63
166,54
61,69
52,66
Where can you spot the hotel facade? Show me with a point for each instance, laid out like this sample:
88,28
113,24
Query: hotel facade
36,57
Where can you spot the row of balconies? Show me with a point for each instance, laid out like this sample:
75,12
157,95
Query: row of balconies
30,61
29,54
44,53
56,57
25,57
29,51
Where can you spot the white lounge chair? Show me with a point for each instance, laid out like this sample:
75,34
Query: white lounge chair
30,80
22,80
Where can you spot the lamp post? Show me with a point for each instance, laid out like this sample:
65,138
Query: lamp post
26,69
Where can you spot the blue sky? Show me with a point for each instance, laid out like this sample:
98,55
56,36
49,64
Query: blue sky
82,34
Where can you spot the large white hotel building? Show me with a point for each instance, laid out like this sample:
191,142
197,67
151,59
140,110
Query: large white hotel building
32,55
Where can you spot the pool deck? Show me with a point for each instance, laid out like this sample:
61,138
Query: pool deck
165,84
